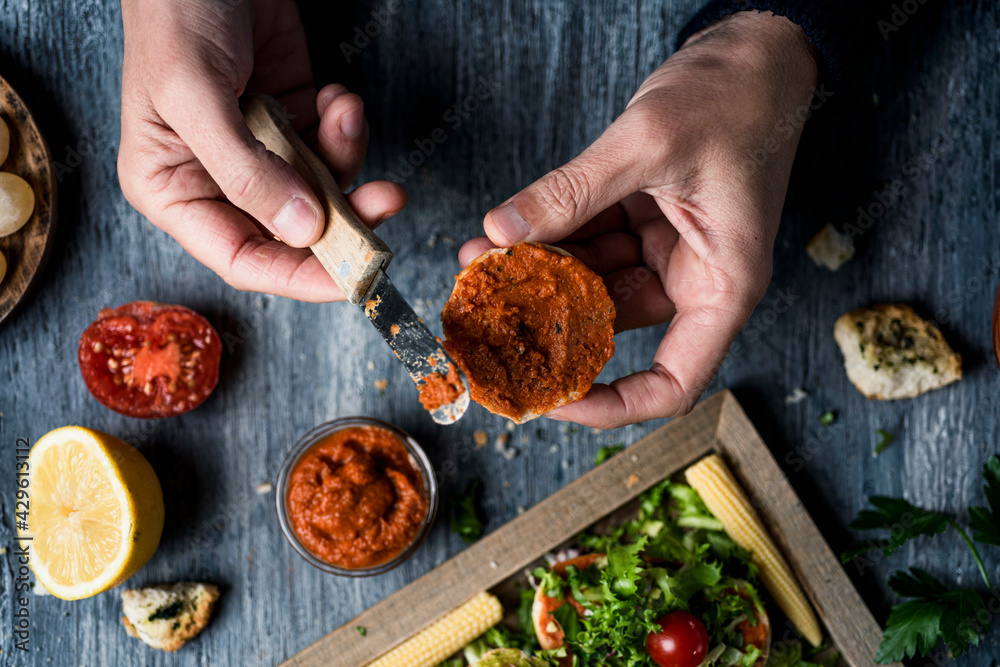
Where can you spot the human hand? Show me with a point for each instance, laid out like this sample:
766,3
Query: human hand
189,163
677,206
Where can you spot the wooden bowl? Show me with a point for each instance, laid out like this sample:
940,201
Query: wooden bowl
26,249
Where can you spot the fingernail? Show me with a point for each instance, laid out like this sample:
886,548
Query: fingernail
385,216
352,123
296,221
509,222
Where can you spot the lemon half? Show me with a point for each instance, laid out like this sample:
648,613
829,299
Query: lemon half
95,513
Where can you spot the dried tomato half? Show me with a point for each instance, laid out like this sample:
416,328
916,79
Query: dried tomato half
150,360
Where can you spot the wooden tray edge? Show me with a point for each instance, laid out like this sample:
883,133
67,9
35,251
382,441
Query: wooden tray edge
844,615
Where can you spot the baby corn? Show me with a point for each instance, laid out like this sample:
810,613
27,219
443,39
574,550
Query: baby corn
446,636
725,499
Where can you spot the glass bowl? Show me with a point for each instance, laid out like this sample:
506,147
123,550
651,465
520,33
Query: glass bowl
316,435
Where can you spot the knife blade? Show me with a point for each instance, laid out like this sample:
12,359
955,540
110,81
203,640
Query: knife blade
356,259
409,338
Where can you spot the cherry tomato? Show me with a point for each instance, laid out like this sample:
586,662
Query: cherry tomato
681,642
150,360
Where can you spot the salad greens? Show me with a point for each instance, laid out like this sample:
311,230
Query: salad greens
673,556
606,452
932,611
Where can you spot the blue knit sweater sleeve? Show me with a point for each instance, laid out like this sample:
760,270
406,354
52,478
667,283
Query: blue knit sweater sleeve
842,32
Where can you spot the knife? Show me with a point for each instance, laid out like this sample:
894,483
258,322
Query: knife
356,259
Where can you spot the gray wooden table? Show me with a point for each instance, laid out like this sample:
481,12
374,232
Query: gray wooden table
558,71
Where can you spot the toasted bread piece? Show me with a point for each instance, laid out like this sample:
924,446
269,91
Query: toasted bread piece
890,352
166,616
830,248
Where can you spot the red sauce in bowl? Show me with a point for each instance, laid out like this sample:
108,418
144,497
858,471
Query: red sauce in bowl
356,498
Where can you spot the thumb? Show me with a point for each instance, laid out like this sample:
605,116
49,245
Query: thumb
255,180
569,196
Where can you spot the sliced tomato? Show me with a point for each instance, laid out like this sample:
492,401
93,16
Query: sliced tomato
547,629
150,360
757,634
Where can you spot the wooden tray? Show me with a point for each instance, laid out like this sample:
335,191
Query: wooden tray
719,425
26,249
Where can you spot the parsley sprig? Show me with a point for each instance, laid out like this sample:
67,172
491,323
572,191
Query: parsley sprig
467,520
931,611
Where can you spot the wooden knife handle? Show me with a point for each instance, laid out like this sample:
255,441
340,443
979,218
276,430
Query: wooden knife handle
348,249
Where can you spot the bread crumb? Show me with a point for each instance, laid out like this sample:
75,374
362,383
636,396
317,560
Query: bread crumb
501,445
381,384
632,480
830,248
265,487
797,396
480,438
370,365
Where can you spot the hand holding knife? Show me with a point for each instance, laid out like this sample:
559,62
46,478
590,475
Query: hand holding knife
356,259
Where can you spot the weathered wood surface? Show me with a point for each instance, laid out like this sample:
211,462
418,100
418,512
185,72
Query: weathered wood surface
553,74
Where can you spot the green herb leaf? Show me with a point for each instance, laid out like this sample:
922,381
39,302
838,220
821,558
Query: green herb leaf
960,626
468,521
606,452
624,567
903,521
827,418
680,588
886,440
525,626
985,523
913,629
362,630
692,509
568,620
935,612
